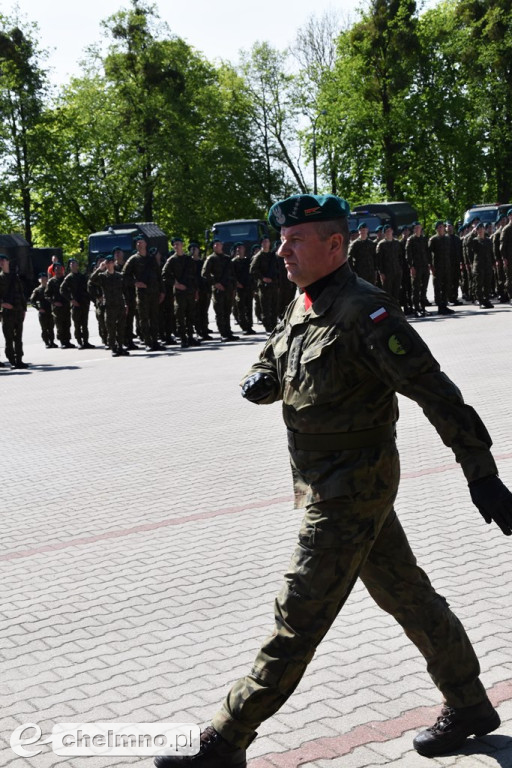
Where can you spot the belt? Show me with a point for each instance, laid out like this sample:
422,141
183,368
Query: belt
340,441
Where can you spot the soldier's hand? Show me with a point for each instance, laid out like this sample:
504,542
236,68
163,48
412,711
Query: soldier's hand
494,501
258,387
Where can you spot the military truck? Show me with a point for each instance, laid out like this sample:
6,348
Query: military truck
486,212
123,236
246,231
26,261
397,213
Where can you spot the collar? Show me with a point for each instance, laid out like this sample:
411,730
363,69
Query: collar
329,290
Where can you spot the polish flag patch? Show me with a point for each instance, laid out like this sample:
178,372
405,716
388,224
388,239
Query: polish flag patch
379,315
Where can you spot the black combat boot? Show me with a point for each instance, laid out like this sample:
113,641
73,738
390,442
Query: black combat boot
453,727
214,752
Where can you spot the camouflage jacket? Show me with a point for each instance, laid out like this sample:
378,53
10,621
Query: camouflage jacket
74,286
361,256
337,368
111,286
181,269
143,269
388,257
263,264
38,299
506,242
439,249
416,251
53,293
218,268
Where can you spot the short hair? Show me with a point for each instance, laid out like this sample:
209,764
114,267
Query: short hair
334,227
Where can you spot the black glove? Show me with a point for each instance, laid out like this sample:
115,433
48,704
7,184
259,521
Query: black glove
258,387
494,501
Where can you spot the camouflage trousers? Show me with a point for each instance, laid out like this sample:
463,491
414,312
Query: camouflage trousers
340,541
47,327
80,317
12,326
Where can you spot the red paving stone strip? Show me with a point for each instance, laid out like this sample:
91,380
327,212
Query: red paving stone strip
119,533
327,748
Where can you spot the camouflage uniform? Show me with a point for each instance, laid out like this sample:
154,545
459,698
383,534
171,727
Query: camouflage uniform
44,309
481,258
74,287
336,369
243,294
112,290
181,269
11,292
389,266
439,248
145,269
218,268
506,255
361,257
62,314
416,253
264,265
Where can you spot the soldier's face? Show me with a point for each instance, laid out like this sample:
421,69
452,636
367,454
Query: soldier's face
307,258
142,247
363,233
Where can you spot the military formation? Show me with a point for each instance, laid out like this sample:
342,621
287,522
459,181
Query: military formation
147,302
474,264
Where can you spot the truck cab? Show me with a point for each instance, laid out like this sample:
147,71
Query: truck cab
123,236
246,231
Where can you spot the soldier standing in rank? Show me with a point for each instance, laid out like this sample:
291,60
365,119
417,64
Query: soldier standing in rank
60,307
455,264
179,276
440,265
110,282
44,310
143,271
14,307
336,361
468,255
243,289
481,258
202,304
406,285
74,289
416,253
506,252
361,255
388,262
264,272
219,273
498,261
99,305
130,299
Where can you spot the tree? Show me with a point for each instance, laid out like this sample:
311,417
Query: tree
23,86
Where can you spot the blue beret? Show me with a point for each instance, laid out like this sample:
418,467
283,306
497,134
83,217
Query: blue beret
176,240
416,224
4,257
363,225
379,228
42,274
509,212
301,209
193,244
110,257
438,223
386,227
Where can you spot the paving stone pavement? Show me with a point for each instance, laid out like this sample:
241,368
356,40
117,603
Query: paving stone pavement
147,521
